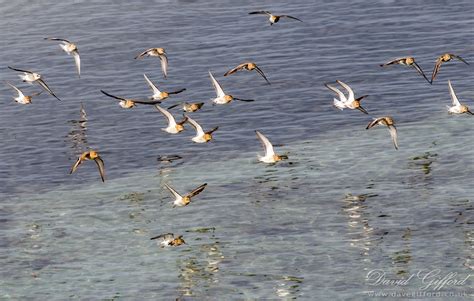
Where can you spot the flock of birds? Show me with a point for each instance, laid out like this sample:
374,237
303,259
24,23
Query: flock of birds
270,157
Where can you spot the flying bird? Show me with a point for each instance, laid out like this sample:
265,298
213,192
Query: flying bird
70,49
270,156
390,123
161,54
221,97
127,103
184,200
157,94
32,77
407,61
273,18
338,103
457,107
22,98
442,59
201,136
249,66
173,126
188,106
90,155
351,102
168,240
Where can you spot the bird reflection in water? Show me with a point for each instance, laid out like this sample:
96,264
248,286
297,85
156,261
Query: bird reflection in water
464,220
77,135
287,287
199,269
360,233
401,259
424,161
166,163
273,184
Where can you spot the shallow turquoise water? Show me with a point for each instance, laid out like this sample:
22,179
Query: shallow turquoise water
257,232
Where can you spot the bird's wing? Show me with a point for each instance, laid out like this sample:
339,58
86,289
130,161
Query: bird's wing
261,12
420,71
113,96
459,58
342,97
174,192
77,60
241,99
177,91
393,134
199,104
196,125
171,120
217,86
346,86
290,17
213,130
266,144
233,70
151,85
20,94
143,102
20,70
373,123
341,105
197,190
164,236
174,106
101,167
436,68
76,165
56,39
185,119
360,108
395,61
262,74
164,64
453,95
143,53
45,86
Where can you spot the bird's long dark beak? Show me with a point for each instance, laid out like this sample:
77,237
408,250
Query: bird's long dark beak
469,112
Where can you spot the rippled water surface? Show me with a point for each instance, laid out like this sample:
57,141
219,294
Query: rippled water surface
312,227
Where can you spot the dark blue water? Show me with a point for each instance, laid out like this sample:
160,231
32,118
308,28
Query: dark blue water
276,232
